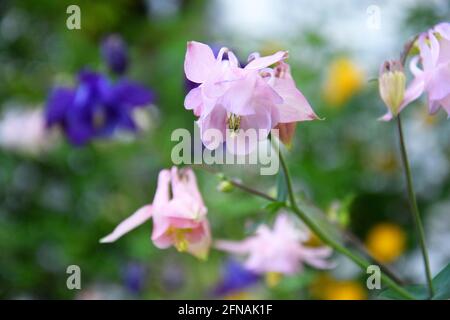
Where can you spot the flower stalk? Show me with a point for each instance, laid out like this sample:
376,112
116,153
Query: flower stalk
323,236
414,207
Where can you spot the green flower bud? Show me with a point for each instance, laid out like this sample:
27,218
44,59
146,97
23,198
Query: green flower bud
392,84
225,186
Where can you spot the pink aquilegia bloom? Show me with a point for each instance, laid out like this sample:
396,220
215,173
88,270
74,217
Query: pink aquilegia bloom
278,250
434,75
230,98
23,131
178,212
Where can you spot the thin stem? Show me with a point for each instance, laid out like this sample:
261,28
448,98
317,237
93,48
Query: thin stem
414,208
238,184
250,190
325,238
265,196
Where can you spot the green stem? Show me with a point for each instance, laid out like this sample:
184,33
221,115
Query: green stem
325,238
414,208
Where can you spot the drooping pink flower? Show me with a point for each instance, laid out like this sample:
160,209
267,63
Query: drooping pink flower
278,250
433,77
178,212
231,98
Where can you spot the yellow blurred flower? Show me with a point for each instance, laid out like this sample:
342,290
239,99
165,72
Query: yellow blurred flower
239,296
327,288
343,81
273,279
386,242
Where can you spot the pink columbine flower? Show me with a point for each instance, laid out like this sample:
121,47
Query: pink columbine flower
230,98
434,76
178,212
278,250
24,131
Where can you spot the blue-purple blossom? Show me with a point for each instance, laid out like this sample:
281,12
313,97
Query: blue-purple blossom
134,277
114,52
235,278
96,107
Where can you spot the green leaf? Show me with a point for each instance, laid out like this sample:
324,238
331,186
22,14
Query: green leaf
274,206
419,292
441,284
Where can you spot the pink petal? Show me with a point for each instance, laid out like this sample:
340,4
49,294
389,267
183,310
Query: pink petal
316,257
438,85
215,120
416,71
162,193
236,247
198,62
446,105
192,184
413,91
135,220
193,101
444,51
429,50
295,107
264,62
234,62
185,207
200,248
443,29
236,100
221,79
161,224
433,106
387,117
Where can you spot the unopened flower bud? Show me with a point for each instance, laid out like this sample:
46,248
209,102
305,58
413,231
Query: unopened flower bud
225,186
286,133
115,53
392,83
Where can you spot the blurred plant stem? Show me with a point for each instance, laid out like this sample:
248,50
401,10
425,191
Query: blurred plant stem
348,234
325,238
414,208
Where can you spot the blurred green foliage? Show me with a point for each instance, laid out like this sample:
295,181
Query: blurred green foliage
55,207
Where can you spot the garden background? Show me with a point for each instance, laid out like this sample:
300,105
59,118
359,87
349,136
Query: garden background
56,204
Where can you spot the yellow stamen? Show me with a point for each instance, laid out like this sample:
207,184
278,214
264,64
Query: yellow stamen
179,238
234,123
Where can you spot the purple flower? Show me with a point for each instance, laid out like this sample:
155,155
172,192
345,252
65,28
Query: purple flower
134,277
96,107
114,52
235,278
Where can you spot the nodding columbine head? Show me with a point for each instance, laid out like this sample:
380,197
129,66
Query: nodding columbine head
392,83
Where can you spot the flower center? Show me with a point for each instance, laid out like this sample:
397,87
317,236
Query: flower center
99,119
179,238
234,122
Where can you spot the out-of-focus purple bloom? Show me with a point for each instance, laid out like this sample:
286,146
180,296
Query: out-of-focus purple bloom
134,277
115,53
189,85
235,278
96,107
173,276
